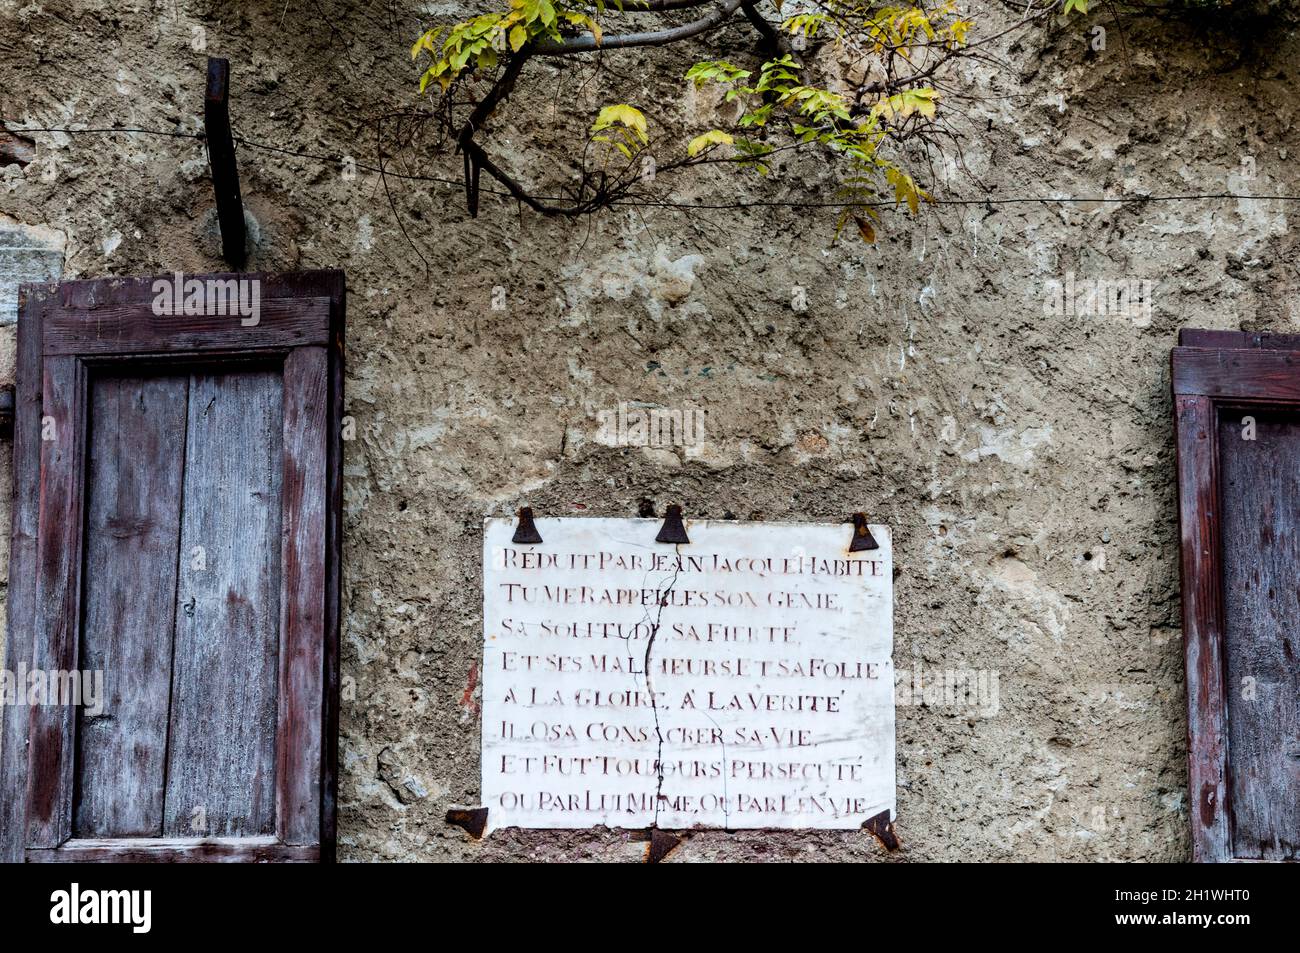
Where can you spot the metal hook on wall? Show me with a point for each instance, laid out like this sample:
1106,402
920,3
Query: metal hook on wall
221,159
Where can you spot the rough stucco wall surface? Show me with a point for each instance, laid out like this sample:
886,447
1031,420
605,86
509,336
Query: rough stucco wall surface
1024,459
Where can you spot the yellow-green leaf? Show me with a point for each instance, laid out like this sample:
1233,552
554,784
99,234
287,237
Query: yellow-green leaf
714,137
624,115
925,101
518,37
425,42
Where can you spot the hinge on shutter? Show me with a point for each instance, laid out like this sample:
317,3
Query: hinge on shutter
7,410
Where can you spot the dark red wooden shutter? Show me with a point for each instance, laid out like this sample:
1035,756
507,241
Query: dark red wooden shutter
176,526
1237,400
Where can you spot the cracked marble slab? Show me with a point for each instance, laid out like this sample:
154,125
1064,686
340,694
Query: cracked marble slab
743,680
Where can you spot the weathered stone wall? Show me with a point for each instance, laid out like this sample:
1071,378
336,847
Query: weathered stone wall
1024,458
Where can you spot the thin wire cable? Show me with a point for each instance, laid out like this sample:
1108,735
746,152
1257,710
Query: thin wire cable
987,201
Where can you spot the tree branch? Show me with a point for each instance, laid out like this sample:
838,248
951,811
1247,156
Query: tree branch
517,191
773,40
656,6
477,159
588,44
502,88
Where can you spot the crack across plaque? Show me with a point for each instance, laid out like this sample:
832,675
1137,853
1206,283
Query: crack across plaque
664,595
663,598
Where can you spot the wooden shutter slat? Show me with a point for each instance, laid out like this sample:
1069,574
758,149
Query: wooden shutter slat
282,323
1202,628
21,605
1258,374
137,427
58,584
304,578
220,778
244,850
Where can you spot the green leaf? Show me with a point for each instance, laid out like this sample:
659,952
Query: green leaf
716,71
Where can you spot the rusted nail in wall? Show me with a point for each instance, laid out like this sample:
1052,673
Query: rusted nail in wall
673,530
472,820
526,530
882,828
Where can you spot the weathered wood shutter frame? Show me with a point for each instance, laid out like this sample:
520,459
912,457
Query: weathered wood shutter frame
65,332
1213,372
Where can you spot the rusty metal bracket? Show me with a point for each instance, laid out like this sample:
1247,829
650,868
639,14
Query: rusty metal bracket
882,828
862,538
673,530
662,844
221,158
526,529
659,843
472,820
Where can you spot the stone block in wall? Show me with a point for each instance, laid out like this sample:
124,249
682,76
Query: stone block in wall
27,253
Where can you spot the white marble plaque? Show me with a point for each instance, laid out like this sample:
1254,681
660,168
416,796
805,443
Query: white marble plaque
743,680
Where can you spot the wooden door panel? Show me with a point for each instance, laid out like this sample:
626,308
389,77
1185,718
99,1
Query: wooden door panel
176,527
